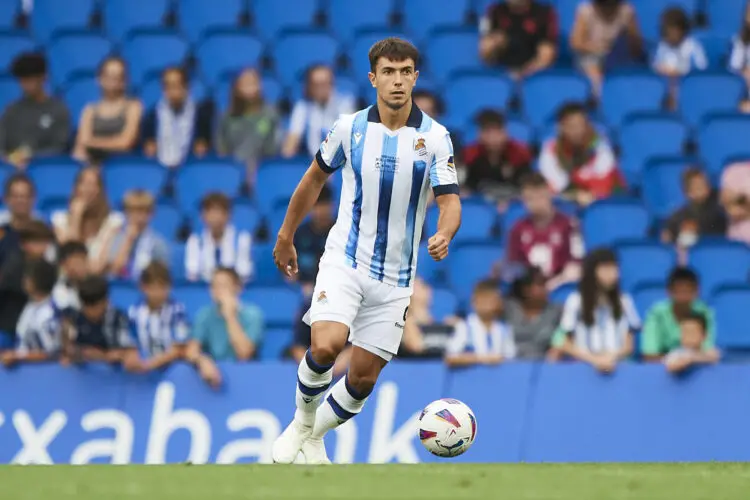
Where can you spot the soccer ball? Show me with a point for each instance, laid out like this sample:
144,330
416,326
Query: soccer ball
447,427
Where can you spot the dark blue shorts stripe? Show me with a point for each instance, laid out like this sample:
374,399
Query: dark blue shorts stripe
319,369
310,391
338,410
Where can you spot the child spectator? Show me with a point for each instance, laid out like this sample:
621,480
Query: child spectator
158,323
310,239
678,53
739,60
598,322
137,245
735,197
72,258
692,350
532,316
39,329
483,338
220,244
661,330
19,195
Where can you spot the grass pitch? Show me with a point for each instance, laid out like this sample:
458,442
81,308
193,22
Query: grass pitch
711,481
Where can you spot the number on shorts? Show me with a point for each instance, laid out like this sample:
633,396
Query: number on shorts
405,311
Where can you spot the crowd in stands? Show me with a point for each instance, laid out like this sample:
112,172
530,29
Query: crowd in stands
547,288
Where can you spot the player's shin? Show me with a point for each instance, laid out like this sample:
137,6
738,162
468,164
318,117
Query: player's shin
312,382
342,404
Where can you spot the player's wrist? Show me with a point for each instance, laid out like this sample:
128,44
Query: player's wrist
285,236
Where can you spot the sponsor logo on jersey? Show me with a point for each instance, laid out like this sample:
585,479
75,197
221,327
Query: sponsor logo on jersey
387,163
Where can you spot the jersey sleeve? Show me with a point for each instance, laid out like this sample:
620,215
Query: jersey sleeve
331,156
443,178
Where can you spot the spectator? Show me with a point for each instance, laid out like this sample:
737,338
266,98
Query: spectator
137,245
36,239
428,102
692,350
546,238
598,321
701,215
314,115
99,331
496,163
89,218
520,35
73,260
605,33
227,329
39,328
177,126
303,339
579,161
310,239
531,316
661,331
739,60
111,125
482,339
249,130
678,53
735,197
220,244
19,196
158,323
424,336
37,124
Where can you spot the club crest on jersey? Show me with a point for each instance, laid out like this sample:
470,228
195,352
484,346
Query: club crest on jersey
322,297
420,147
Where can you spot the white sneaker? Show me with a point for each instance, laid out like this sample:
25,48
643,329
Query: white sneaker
288,445
315,452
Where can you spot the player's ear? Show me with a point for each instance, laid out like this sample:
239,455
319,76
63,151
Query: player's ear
416,76
371,76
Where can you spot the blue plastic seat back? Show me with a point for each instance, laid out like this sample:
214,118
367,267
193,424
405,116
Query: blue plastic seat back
227,53
544,93
720,264
704,93
644,262
76,55
51,17
619,100
422,17
276,181
449,52
198,178
470,263
9,91
607,222
346,18
77,94
723,138
560,294
275,343
730,306
167,220
271,18
280,305
444,304
663,190
53,181
638,145
193,296
468,95
121,176
724,15
295,53
646,296
650,12
121,17
12,44
124,295
144,61
199,17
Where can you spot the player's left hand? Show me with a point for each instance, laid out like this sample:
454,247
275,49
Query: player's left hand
437,246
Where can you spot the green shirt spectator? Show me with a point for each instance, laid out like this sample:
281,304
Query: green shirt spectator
661,331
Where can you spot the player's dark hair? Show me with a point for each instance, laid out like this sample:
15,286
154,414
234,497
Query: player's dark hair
229,271
487,285
18,178
393,49
156,272
490,118
216,200
36,230
590,289
569,109
93,290
674,17
533,180
689,174
180,71
71,249
42,274
682,274
696,317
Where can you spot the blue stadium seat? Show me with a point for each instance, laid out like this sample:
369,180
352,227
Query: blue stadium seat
644,262
144,61
649,14
720,264
76,55
51,17
9,91
151,91
560,294
566,15
200,177
544,93
444,304
637,143
296,52
227,53
466,95
53,178
121,17
123,295
346,18
470,263
724,15
662,186
272,17
9,10
357,51
126,174
193,296
705,93
266,273
717,48
516,211
645,296
280,305
722,138
730,305
167,221
451,51
619,100
245,217
199,17
275,342
478,221
428,269
607,222
520,130
177,261
78,93
12,44
276,182
421,17
6,170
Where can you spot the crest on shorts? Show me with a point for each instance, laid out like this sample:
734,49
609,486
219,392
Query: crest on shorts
420,147
322,298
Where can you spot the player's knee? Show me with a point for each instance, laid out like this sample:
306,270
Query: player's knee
324,352
362,382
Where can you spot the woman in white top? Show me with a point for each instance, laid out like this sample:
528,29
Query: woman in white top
739,60
598,321
89,218
678,53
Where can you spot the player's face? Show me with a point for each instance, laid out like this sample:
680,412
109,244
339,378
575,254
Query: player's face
394,81
538,201
156,293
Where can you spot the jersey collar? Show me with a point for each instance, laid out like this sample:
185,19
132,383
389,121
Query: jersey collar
414,120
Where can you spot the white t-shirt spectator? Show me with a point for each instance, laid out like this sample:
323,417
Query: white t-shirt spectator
39,328
472,336
607,334
203,255
312,121
65,296
95,245
686,57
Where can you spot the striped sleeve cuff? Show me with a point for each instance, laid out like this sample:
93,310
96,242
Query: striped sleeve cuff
445,189
322,164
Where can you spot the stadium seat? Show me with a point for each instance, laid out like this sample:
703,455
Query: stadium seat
720,264
717,48
9,10
520,130
194,296
650,11
200,177
469,263
606,222
724,15
619,100
566,15
78,93
662,186
358,50
276,181
479,220
275,342
199,17
423,17
516,211
167,221
346,18
144,61
637,142
544,93
227,53
560,294
428,269
53,178
444,304
151,91
11,45
245,217
645,296
52,17
280,305
451,51
730,306
644,262
76,55
296,52
123,295
9,91
468,94
722,138
265,273
705,93
6,170
126,174
122,17
271,17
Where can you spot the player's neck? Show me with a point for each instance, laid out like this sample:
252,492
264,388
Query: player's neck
394,119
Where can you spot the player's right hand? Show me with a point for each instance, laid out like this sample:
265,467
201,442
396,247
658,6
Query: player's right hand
285,257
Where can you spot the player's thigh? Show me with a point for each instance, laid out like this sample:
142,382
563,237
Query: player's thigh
365,366
380,324
328,339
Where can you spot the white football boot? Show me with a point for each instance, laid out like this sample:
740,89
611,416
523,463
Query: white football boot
288,445
314,451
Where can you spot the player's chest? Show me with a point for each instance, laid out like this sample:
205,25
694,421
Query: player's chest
395,154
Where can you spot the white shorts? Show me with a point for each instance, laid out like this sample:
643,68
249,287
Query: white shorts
374,312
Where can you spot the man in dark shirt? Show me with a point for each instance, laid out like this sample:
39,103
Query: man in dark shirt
521,35
19,196
310,239
37,124
701,215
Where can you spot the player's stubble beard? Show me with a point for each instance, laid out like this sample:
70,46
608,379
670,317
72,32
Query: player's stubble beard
396,106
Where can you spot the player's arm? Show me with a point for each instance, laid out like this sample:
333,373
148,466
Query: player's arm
444,183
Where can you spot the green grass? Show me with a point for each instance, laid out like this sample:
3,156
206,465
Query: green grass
710,481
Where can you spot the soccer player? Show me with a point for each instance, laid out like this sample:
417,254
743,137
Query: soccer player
389,154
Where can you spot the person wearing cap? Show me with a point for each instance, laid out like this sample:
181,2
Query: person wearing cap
37,124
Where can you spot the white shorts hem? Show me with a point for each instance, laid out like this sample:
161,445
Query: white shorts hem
377,351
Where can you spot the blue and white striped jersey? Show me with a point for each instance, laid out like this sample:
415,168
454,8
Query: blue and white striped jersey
386,179
156,331
39,328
